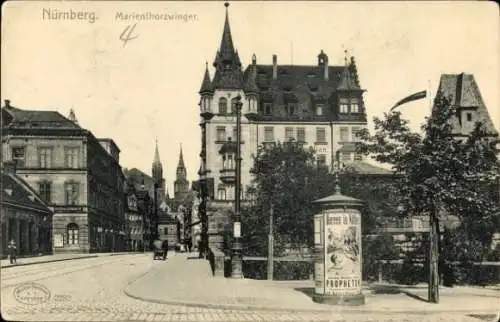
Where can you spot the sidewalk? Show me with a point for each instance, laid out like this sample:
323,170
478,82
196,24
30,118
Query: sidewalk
5,263
184,280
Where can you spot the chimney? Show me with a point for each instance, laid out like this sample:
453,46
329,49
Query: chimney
7,103
254,59
323,62
9,167
325,66
275,67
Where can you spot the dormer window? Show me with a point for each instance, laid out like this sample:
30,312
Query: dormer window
268,108
319,109
469,117
344,108
354,107
291,108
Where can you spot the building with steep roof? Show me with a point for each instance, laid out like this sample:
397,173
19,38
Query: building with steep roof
25,216
181,184
463,92
318,105
74,172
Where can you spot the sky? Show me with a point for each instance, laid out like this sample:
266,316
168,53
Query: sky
147,87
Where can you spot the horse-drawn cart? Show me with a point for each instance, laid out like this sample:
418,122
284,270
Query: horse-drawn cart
160,248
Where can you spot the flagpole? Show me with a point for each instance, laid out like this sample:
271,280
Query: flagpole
430,95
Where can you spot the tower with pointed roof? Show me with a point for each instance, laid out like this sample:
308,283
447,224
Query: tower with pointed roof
318,105
181,184
158,179
463,92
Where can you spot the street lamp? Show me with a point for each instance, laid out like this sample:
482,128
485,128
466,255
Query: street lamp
236,260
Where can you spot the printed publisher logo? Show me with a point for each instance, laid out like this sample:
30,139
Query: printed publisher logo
31,294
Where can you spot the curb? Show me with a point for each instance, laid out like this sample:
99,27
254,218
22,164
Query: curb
62,260
332,309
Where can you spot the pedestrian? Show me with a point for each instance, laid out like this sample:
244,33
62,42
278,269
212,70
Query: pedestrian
12,251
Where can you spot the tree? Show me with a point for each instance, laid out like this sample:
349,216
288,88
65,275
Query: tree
287,178
439,174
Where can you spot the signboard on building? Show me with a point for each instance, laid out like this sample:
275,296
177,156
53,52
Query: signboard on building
343,253
58,240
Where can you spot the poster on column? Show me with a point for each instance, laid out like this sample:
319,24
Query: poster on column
343,253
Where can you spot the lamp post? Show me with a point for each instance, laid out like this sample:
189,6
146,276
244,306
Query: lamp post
236,259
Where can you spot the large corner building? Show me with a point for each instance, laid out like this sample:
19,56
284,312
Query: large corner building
318,105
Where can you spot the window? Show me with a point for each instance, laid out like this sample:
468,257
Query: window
344,108
321,160
268,108
358,156
289,133
354,107
320,134
228,162
72,232
44,189
221,193
44,157
290,108
223,105
269,134
319,109
344,134
71,193
469,117
233,105
355,131
165,231
19,157
71,157
301,134
221,133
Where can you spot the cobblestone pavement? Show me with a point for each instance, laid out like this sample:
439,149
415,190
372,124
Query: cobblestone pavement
92,290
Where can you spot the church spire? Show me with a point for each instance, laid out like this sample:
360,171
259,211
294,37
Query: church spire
157,154
157,169
181,160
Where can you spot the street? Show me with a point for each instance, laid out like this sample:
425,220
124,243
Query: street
93,290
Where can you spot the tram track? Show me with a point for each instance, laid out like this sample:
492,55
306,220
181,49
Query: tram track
42,272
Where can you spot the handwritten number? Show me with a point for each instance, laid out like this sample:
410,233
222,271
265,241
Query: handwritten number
126,35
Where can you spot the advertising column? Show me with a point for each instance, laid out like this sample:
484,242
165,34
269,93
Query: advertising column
343,253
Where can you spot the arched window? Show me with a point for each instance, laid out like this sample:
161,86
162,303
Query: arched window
223,105
233,105
72,232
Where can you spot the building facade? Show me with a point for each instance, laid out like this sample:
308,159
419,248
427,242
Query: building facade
318,105
25,217
74,172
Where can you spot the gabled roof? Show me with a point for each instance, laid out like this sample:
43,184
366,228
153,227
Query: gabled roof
463,92
16,192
